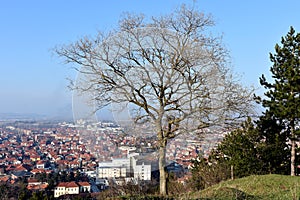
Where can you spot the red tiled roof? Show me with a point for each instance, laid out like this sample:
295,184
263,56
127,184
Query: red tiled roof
27,161
20,168
72,184
84,183
37,187
35,171
32,180
4,179
40,162
62,162
67,184
10,167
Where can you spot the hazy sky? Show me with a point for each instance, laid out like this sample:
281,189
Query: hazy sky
32,80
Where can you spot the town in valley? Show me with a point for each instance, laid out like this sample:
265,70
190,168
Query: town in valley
67,158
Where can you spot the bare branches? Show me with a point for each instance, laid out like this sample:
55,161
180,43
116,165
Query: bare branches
172,73
170,69
131,21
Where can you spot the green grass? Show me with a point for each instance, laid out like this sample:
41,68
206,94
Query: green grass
263,187
253,187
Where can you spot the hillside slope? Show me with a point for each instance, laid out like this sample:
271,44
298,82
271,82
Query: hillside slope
253,187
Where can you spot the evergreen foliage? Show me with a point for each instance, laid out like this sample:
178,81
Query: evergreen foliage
254,149
241,149
283,94
274,148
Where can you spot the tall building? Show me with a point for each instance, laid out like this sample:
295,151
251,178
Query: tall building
129,167
142,172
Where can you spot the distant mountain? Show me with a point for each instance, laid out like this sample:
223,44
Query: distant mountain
21,116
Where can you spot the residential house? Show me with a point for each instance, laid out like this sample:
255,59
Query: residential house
35,157
64,188
35,185
84,186
4,179
40,164
40,171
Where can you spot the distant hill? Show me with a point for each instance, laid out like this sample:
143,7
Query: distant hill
35,117
253,187
21,116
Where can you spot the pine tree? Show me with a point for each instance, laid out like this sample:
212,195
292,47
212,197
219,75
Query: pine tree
241,148
273,148
282,97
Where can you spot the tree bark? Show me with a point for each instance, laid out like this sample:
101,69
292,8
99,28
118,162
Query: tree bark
293,158
162,169
231,172
293,151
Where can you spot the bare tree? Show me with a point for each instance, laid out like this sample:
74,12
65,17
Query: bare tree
170,70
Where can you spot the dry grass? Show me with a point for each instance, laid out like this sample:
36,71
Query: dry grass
253,187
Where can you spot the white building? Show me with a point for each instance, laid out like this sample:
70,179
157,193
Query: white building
142,172
117,168
84,187
111,172
64,188
125,168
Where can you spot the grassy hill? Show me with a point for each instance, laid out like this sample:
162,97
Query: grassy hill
253,187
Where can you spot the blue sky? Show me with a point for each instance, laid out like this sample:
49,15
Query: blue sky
32,80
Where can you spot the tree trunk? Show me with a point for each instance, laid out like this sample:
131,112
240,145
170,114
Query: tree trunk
293,158
231,172
162,170
293,149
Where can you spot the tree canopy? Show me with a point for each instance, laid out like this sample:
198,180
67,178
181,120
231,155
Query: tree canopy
282,98
171,71
240,149
258,147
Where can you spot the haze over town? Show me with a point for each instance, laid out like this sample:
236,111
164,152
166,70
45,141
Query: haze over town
34,81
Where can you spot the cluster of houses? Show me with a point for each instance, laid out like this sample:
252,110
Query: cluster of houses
28,151
25,152
59,147
110,155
